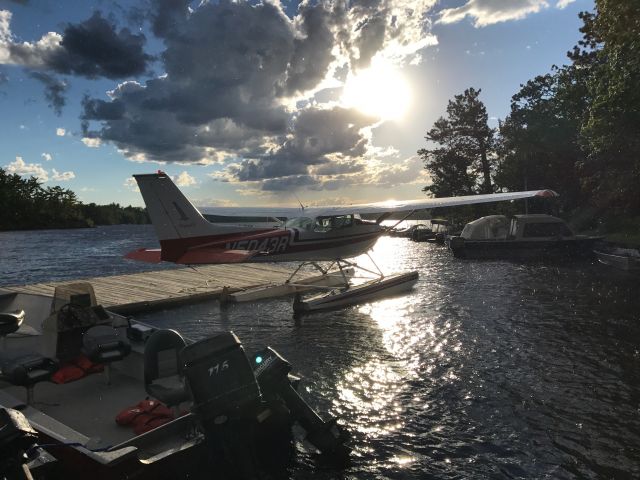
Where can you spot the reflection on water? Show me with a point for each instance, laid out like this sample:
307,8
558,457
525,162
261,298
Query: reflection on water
486,369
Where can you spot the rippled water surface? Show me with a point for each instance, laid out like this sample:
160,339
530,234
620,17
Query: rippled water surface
487,369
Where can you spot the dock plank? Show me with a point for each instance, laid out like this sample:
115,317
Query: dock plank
158,289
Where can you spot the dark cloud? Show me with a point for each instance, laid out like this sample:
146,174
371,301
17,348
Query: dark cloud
289,183
101,110
311,54
168,16
339,168
92,49
317,136
54,90
371,35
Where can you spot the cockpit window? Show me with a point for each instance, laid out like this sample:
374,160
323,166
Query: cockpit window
325,224
304,223
321,224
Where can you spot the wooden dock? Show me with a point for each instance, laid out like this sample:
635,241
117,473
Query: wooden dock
147,291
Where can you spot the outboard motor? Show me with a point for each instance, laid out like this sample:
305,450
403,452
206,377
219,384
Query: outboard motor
272,373
246,409
16,438
226,398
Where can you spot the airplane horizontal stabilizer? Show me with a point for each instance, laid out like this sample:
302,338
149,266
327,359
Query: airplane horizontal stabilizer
150,255
215,255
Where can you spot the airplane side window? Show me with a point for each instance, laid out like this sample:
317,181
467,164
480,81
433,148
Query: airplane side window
300,222
323,224
341,221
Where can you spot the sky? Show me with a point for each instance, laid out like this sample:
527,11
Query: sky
257,103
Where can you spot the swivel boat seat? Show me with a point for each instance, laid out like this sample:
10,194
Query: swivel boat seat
105,344
162,371
9,323
22,367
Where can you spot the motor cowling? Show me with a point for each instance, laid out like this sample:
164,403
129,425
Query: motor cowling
272,373
220,377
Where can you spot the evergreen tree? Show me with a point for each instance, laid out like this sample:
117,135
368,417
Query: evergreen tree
611,131
463,161
27,205
538,143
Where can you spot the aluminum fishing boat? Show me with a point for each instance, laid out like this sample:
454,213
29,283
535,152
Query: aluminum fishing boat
216,402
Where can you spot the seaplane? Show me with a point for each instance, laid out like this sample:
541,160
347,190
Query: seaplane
315,236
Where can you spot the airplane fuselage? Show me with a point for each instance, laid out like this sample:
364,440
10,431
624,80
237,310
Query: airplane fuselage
284,244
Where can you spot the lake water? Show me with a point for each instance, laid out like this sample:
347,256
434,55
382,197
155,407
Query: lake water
487,369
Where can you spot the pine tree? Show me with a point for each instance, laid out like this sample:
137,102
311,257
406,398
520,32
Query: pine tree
462,163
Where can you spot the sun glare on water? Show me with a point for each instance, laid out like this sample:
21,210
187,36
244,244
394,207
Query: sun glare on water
380,90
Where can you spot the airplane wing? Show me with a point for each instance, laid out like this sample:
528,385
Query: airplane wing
195,256
377,208
408,206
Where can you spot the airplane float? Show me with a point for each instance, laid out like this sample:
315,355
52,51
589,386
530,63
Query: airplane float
309,235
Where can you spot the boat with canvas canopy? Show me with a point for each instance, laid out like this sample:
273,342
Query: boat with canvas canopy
522,236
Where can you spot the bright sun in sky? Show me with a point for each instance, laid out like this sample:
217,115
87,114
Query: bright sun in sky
380,90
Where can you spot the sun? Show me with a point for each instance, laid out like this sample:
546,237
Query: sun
380,90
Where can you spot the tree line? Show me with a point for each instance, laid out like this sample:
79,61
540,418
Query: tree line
575,130
26,205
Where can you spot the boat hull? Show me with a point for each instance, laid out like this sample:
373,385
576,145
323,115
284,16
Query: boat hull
523,249
373,290
620,261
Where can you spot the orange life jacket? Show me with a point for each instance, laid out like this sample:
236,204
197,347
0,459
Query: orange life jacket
145,415
77,368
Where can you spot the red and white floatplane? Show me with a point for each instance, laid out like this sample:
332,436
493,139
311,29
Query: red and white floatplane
324,237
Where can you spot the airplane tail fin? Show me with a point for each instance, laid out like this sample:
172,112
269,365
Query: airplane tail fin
171,213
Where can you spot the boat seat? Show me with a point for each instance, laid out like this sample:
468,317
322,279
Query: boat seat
162,371
25,369
10,322
105,344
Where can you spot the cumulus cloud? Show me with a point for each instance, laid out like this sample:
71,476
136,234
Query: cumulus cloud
131,184
23,169
564,3
91,142
62,176
184,180
61,132
233,72
330,176
47,157
488,12
20,167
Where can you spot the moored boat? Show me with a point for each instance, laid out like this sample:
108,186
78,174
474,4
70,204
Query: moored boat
522,237
623,258
435,233
82,378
